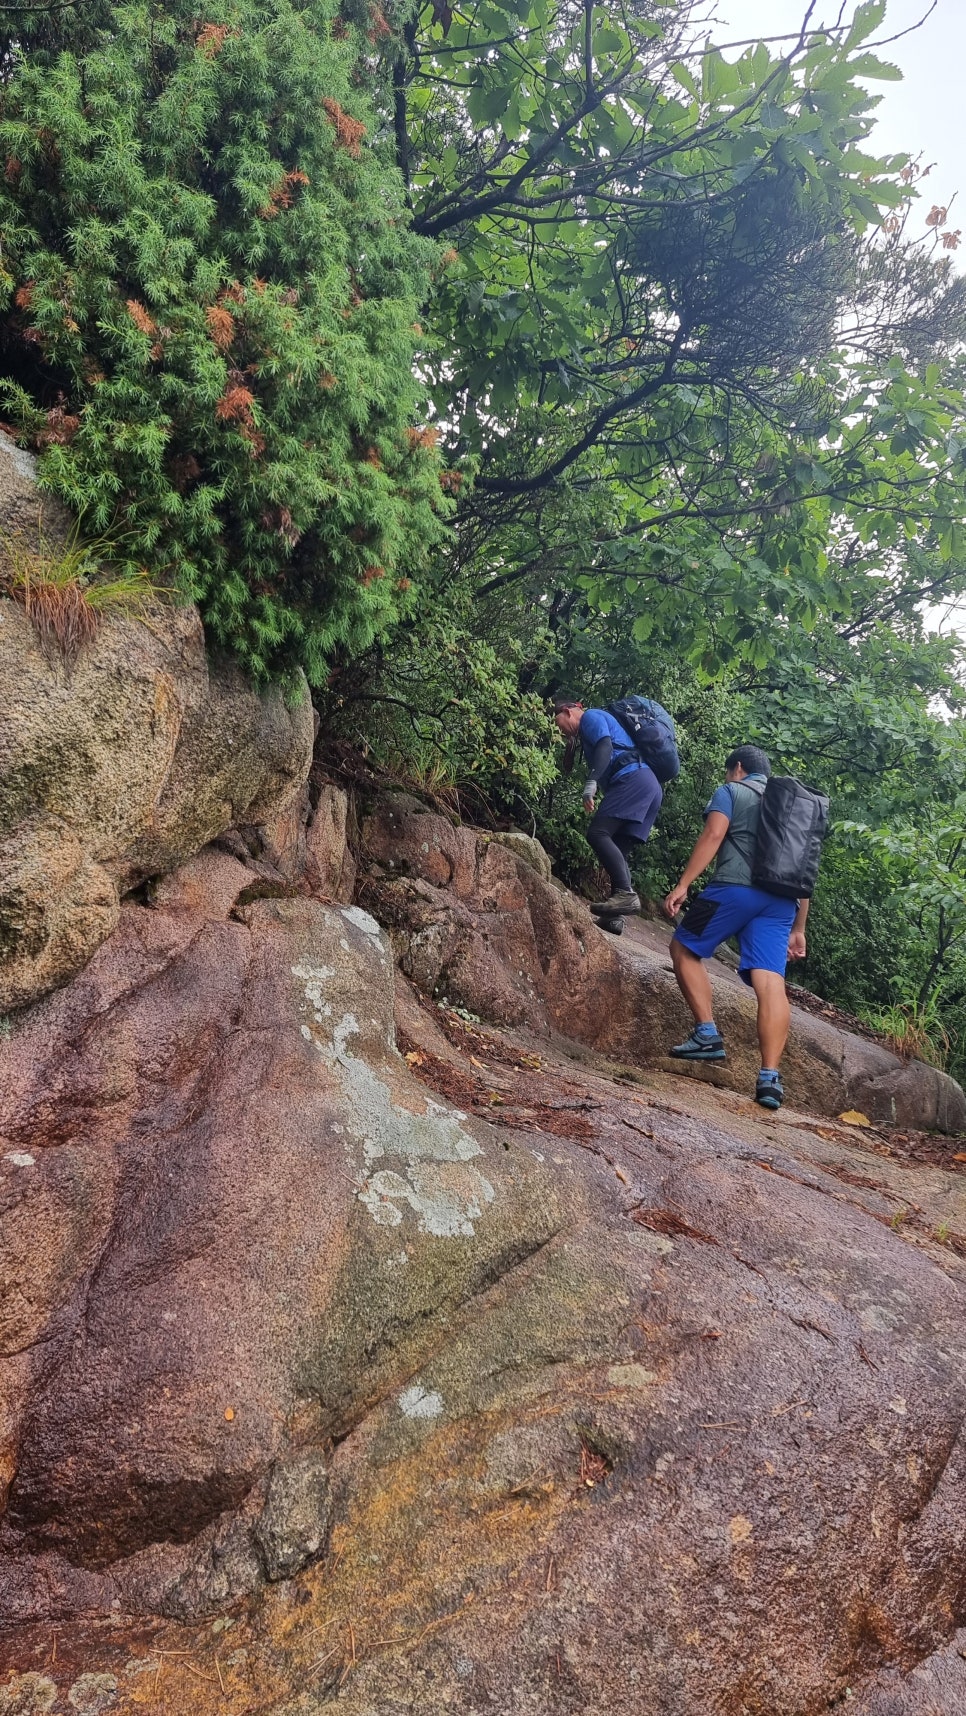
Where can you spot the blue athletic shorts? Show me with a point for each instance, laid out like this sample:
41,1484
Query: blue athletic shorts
762,922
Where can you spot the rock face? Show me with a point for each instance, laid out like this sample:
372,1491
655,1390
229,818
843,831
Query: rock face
119,772
473,922
202,1135
636,1399
480,1376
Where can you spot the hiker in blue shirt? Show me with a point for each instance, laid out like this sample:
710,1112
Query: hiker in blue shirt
631,799
770,929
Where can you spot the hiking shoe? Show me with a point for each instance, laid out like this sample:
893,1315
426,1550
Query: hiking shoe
613,926
695,1048
618,906
769,1092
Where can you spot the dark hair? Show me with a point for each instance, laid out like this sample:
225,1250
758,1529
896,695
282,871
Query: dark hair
752,758
570,749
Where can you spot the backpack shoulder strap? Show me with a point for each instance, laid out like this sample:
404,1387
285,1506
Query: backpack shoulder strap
758,788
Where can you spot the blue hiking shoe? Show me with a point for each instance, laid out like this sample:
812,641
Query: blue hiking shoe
769,1091
700,1048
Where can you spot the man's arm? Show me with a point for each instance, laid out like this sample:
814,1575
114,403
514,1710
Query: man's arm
705,848
797,948
603,751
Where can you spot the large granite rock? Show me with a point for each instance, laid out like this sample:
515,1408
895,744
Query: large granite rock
474,922
119,772
122,768
229,1216
627,1398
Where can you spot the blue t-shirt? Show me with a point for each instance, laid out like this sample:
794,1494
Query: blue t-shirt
596,724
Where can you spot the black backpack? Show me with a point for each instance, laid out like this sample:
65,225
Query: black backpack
792,825
652,730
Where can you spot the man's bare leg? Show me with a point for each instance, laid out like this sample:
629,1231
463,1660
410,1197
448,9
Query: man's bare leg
774,1015
693,982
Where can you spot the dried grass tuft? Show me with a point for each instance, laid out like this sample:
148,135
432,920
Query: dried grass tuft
65,591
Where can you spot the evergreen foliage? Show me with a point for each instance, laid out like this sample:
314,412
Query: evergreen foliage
211,309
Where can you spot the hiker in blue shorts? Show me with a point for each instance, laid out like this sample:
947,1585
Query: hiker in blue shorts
629,806
770,930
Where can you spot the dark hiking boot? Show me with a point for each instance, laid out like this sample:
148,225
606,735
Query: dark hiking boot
769,1091
613,926
618,906
695,1048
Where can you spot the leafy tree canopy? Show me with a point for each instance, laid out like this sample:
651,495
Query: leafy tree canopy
684,332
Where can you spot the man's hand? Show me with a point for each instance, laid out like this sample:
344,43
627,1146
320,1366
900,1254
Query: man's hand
796,944
675,900
589,794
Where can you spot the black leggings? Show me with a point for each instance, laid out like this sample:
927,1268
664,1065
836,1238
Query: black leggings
611,841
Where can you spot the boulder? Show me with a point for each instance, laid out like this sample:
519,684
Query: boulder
330,865
229,1217
30,520
473,921
525,847
625,1397
117,773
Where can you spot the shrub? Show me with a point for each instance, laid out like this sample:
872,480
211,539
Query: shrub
211,310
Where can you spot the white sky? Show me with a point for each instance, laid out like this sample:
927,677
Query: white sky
924,113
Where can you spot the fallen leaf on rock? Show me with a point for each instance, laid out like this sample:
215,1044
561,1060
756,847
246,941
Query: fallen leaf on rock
852,1117
415,1058
960,1156
229,1413
666,1222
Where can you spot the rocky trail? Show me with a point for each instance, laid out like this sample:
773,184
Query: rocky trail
386,1324
624,1394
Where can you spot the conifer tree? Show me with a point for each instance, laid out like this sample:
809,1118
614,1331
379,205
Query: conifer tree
209,308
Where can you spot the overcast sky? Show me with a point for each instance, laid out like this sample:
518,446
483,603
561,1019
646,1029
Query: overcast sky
926,112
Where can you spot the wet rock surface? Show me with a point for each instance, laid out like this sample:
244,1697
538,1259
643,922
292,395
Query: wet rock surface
362,1357
474,923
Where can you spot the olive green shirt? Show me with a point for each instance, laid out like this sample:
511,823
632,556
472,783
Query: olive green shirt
737,850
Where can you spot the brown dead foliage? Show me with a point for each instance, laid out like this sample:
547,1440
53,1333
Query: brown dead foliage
379,26
424,439
141,317
221,326
349,132
235,407
62,618
281,195
211,39
61,427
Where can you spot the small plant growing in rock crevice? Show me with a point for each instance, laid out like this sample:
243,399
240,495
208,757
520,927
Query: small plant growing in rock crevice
65,590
